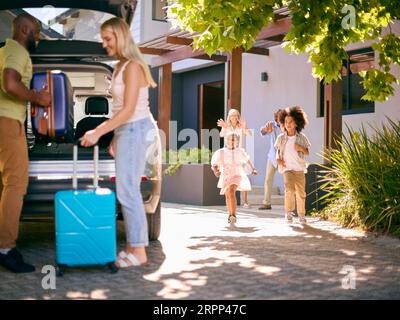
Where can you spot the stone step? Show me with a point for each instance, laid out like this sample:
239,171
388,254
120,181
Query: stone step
257,190
258,199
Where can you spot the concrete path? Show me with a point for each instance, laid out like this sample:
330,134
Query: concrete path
199,256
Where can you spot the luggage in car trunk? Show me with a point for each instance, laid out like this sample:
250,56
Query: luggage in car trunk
55,123
85,224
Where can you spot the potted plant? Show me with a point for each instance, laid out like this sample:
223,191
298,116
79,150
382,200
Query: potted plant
188,178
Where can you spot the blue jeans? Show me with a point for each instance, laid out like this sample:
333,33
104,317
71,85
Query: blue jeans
132,141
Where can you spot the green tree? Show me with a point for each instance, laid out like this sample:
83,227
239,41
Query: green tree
322,29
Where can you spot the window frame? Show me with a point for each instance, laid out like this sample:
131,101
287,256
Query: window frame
154,13
346,110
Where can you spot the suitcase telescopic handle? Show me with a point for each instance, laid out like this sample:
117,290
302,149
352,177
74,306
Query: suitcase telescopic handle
95,166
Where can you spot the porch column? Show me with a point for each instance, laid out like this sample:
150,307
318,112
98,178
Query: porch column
165,100
234,83
332,115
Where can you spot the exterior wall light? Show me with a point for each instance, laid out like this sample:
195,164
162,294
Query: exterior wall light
264,76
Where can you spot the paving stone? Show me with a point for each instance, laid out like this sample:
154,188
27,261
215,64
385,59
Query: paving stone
198,256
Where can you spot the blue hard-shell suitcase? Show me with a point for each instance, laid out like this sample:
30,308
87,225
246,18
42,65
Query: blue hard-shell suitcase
85,224
55,123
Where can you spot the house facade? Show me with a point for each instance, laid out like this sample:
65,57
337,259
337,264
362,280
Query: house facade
290,82
199,90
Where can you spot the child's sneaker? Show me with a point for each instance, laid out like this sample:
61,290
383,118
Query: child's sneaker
231,219
246,206
303,220
289,217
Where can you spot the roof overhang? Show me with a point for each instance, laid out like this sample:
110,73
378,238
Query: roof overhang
177,45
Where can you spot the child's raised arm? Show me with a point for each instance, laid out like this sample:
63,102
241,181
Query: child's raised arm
243,125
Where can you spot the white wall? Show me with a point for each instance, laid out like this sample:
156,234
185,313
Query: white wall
136,29
151,28
291,83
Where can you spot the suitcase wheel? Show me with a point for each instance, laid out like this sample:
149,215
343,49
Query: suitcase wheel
60,270
112,267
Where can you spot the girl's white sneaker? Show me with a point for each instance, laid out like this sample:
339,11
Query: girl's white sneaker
232,219
289,217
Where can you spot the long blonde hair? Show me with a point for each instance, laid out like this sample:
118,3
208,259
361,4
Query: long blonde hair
231,113
126,47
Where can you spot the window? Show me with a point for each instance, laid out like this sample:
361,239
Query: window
160,10
353,90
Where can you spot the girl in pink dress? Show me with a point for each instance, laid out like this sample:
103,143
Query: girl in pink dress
236,124
228,164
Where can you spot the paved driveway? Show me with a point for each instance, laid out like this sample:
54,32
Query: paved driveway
199,256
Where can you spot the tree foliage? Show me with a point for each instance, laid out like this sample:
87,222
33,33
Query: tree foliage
322,29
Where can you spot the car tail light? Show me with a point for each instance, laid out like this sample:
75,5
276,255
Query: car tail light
144,179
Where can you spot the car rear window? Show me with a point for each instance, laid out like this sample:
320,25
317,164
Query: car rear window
87,81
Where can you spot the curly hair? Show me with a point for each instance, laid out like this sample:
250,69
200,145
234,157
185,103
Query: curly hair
298,115
277,114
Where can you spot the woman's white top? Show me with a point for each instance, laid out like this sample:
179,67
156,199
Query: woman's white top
142,109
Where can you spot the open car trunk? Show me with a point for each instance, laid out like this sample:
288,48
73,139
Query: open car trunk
88,79
121,8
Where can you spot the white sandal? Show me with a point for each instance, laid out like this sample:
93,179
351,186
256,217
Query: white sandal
133,261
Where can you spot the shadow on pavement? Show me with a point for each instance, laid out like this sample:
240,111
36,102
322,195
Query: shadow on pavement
241,229
269,261
36,243
313,264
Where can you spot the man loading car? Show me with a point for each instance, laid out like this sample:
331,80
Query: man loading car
15,77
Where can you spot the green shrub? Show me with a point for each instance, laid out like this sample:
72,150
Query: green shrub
363,184
175,158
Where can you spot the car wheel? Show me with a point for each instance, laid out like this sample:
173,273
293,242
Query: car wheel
154,223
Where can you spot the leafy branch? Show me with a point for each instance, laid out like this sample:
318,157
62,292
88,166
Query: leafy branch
322,29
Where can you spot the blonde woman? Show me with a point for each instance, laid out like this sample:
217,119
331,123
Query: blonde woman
234,123
134,132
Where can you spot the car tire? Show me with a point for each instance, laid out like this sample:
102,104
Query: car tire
154,223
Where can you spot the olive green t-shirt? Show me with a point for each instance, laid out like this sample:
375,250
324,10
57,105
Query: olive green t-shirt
14,56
